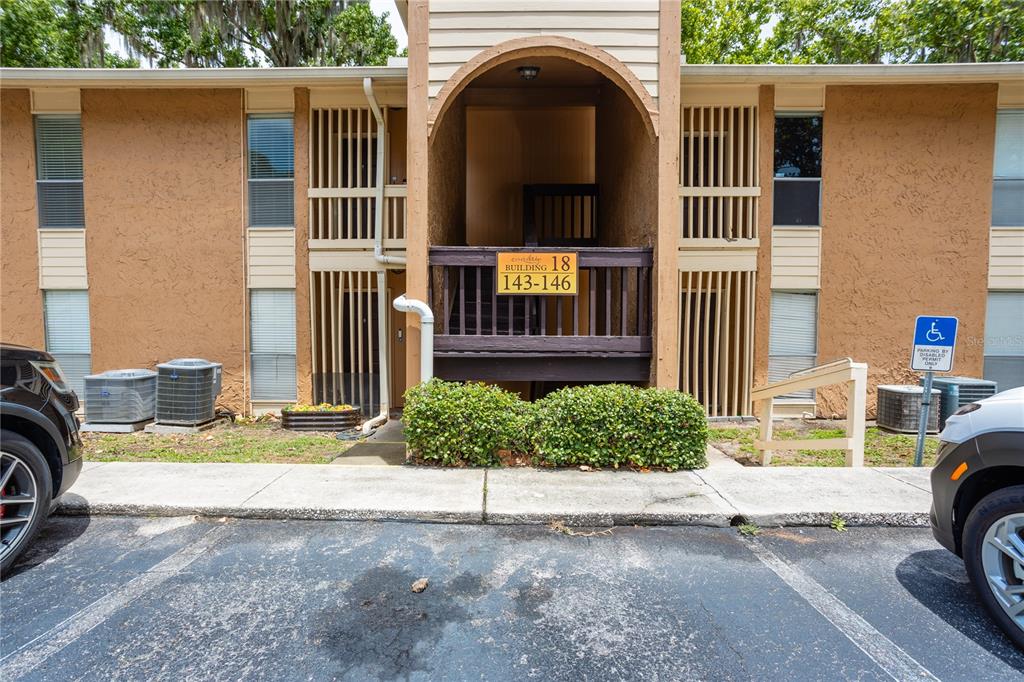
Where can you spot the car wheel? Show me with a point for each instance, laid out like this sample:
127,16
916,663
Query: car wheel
25,493
993,545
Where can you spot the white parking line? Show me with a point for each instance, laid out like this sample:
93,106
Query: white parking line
28,657
896,662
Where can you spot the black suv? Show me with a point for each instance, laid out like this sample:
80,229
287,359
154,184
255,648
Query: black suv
40,449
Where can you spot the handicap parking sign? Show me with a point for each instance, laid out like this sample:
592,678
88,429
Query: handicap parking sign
934,342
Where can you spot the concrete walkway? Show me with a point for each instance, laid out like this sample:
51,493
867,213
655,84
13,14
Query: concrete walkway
714,496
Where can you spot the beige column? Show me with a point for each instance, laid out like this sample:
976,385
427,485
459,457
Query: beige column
303,347
417,241
666,295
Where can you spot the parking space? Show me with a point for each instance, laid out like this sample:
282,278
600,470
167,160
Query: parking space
134,598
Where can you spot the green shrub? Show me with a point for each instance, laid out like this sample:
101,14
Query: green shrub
616,425
452,423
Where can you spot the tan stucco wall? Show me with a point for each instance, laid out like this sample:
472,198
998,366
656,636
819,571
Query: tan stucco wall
627,173
905,219
303,347
165,237
763,279
447,178
21,302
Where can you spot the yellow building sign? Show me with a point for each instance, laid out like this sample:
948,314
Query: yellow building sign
521,272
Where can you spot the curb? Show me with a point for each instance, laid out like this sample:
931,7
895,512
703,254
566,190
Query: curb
585,519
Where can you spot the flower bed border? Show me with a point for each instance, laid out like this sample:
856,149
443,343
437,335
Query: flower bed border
320,420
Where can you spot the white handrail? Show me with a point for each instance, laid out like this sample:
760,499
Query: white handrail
853,374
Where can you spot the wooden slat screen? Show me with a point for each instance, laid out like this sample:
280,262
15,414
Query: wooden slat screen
342,173
716,332
346,334
718,184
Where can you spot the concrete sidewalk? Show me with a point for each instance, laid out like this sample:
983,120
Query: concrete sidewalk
715,496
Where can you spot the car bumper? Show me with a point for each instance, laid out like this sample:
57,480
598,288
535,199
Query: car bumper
945,489
70,473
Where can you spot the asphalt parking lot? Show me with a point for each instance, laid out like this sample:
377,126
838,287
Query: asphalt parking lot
186,598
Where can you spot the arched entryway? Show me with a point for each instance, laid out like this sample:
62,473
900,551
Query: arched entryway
542,145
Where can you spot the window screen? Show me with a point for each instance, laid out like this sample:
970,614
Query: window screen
797,186
272,320
793,337
59,171
1004,339
1008,184
271,171
66,321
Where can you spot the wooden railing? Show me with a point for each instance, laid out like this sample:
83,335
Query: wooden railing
560,215
610,314
853,374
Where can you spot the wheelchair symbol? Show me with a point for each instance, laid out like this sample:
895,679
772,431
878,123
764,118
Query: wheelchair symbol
933,334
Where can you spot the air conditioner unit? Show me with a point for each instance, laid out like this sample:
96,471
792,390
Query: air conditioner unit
120,396
899,408
960,391
187,390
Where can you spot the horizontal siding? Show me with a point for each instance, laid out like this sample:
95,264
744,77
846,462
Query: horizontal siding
626,30
271,258
1006,258
62,259
796,257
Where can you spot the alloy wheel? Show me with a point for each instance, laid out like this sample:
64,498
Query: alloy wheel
18,504
1002,559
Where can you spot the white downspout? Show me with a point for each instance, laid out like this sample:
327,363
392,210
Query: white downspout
378,254
411,305
378,218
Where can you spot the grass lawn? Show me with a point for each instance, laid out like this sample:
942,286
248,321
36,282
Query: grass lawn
881,448
243,443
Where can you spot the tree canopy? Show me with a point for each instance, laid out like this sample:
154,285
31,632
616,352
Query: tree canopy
852,31
194,33
213,33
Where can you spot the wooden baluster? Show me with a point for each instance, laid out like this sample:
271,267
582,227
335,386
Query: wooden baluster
641,301
543,318
558,313
527,306
494,303
624,304
462,300
592,307
576,313
478,301
607,301
447,305
510,331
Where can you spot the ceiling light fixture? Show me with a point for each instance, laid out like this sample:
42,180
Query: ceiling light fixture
528,73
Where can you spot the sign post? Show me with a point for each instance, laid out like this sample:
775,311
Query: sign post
934,343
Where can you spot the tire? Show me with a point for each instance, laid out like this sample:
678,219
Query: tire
21,463
998,521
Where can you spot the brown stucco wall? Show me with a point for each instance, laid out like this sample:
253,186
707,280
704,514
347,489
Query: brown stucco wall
165,238
763,279
21,302
907,183
303,348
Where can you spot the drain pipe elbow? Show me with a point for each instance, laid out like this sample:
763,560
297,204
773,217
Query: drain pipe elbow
411,305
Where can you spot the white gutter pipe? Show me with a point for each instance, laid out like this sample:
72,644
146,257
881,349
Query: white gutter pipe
411,305
378,218
378,254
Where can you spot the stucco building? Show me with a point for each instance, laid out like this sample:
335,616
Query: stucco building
725,224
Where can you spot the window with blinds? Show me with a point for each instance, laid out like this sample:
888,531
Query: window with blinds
272,330
1008,184
793,337
271,143
66,322
59,171
797,186
1004,339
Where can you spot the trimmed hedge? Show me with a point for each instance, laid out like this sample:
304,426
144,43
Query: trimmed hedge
601,426
452,423
616,425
